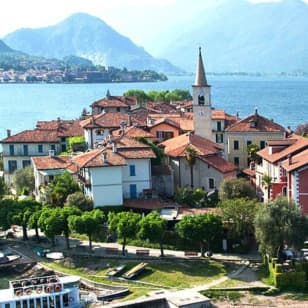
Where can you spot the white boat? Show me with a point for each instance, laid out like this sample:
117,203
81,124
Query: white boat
42,292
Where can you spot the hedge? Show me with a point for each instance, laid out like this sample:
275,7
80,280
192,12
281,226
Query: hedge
294,278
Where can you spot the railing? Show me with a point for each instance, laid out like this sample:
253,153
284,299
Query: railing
83,180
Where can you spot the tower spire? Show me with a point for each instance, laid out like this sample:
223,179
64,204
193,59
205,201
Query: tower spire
200,80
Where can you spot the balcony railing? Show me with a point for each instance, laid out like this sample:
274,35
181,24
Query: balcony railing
84,181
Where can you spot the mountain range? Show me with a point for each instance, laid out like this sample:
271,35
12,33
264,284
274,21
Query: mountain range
89,37
236,36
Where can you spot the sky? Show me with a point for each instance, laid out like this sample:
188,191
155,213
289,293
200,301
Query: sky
132,18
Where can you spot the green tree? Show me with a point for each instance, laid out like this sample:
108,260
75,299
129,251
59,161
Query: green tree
4,190
278,223
153,227
125,224
191,158
23,180
22,213
141,96
201,228
159,152
7,208
240,215
236,188
50,222
65,213
60,188
89,223
178,95
84,203
267,184
33,222
252,150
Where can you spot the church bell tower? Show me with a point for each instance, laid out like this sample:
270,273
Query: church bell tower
202,108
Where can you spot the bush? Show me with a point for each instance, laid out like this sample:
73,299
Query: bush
290,280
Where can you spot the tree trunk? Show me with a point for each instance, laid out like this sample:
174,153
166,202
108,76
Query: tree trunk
67,240
24,233
37,233
202,249
90,242
161,249
268,194
192,177
123,246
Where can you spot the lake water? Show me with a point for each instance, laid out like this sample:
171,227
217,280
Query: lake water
283,99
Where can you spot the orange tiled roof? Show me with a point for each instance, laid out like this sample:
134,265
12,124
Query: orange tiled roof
33,136
176,146
55,162
132,132
219,163
297,143
106,120
115,101
297,161
160,107
262,125
65,128
94,158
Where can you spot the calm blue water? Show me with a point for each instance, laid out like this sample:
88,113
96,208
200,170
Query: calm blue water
284,100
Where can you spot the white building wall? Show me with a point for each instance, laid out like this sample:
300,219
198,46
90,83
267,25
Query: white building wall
142,177
106,188
19,155
95,136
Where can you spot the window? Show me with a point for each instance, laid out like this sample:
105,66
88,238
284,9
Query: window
219,138
249,142
53,147
219,126
99,132
63,147
262,144
40,148
201,100
133,191
11,149
26,152
235,145
63,139
164,135
132,170
12,165
236,161
26,163
118,109
211,183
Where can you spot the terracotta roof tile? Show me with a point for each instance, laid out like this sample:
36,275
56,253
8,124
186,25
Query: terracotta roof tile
219,163
65,128
115,101
106,120
132,132
262,125
94,158
176,146
294,144
55,162
296,161
161,107
33,136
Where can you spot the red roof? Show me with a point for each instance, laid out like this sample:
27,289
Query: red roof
132,132
55,162
115,101
293,145
33,136
255,123
106,120
65,128
219,163
177,146
296,161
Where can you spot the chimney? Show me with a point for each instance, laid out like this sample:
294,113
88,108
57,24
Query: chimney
105,159
8,132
